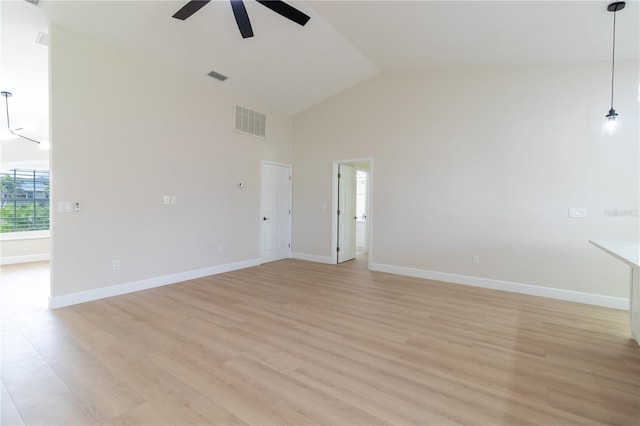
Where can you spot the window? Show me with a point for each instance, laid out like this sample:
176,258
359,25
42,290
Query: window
24,200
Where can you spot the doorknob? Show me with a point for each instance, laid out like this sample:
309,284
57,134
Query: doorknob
266,218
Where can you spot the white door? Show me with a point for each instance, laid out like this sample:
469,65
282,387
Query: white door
346,212
361,210
275,212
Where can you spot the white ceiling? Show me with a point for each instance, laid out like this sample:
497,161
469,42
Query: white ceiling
292,68
425,34
23,72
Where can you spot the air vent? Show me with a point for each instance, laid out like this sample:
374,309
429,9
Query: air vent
250,122
217,75
36,2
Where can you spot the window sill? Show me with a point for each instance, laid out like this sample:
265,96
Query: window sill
29,235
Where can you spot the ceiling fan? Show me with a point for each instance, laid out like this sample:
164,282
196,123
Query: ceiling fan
240,13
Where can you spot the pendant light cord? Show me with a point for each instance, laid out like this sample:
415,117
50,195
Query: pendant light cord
613,56
6,103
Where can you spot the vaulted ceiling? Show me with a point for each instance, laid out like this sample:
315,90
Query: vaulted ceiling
292,68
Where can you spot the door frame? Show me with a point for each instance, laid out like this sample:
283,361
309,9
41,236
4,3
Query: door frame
334,207
274,163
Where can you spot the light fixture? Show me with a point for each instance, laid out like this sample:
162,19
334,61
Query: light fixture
9,133
612,116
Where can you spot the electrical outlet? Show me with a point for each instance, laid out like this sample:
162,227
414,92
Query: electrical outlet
115,265
174,200
475,260
167,200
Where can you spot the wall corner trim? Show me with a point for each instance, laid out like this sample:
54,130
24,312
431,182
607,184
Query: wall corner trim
312,257
131,287
532,290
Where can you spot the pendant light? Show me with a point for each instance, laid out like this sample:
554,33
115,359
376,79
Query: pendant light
9,133
612,116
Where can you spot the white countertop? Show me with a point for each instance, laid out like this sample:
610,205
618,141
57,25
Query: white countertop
626,251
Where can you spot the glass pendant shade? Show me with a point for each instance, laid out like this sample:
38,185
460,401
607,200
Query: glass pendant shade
611,122
612,119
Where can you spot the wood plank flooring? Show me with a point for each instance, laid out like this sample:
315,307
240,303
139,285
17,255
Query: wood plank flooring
297,343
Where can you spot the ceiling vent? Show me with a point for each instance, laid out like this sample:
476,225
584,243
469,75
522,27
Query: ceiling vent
217,76
36,2
250,122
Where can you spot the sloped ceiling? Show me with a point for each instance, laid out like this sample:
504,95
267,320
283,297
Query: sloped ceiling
288,66
292,68
24,72
425,34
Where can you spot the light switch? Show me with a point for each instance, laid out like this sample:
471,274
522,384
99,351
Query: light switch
577,213
64,206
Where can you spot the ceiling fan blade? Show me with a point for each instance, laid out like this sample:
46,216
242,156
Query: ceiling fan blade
189,9
285,10
242,19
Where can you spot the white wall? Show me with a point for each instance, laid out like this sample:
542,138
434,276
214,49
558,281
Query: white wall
125,132
481,162
27,247
24,72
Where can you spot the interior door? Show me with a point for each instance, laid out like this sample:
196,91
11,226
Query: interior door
346,212
275,212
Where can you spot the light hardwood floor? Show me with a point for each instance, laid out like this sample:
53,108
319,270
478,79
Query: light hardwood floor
295,342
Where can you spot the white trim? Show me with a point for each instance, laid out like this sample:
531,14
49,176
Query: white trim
40,257
119,289
25,235
41,165
275,163
370,215
312,257
533,290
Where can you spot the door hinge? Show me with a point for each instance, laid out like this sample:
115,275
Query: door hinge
339,175
289,245
338,212
337,249
289,177
289,211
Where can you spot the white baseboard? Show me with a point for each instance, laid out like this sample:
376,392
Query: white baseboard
24,259
533,290
312,257
119,289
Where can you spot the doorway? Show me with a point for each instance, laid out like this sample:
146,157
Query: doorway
362,176
275,212
351,224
